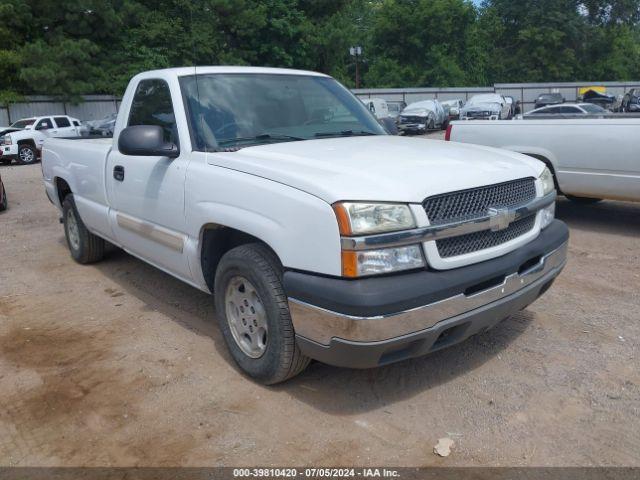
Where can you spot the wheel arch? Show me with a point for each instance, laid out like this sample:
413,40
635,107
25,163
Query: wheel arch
216,240
28,141
62,188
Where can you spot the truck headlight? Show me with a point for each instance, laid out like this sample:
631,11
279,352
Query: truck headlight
386,260
359,218
7,139
548,213
546,178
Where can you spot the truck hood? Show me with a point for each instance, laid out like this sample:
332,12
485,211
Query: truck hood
379,168
481,107
417,112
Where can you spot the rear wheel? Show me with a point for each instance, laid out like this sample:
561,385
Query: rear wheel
85,247
253,314
583,200
27,154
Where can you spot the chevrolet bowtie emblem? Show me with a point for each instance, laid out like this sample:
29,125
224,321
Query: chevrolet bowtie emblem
500,218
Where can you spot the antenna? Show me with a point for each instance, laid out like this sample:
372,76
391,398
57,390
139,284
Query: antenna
195,75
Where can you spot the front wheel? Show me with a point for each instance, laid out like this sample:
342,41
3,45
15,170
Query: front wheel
27,154
253,314
85,247
583,200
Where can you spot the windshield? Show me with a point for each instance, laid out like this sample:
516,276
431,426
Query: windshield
23,123
591,108
229,110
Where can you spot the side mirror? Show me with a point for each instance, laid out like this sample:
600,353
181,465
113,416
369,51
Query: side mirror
147,141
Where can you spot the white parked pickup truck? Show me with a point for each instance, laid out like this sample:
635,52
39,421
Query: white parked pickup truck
319,235
24,138
591,158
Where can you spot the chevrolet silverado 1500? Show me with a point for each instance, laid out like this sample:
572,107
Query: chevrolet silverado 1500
318,235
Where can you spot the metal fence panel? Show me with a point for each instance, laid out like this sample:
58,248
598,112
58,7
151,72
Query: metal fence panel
35,109
92,110
4,117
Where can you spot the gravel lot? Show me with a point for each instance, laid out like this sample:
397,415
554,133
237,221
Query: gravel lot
120,364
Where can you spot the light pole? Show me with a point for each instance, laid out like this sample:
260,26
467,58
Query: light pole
357,53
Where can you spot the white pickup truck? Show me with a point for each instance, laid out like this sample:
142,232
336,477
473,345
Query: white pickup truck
23,140
319,235
591,158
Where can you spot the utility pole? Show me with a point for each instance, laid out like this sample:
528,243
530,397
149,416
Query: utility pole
357,53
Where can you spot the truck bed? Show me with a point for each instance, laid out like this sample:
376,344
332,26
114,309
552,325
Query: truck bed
591,157
87,158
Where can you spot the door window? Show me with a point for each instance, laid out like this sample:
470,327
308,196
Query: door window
62,122
152,106
44,124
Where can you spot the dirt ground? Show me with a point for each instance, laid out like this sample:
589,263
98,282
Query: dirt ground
119,364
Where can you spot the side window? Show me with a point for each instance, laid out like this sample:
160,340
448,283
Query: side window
44,124
76,123
62,122
152,105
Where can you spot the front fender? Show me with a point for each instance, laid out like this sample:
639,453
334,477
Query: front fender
300,228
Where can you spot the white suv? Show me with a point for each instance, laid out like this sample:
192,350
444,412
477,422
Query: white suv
24,145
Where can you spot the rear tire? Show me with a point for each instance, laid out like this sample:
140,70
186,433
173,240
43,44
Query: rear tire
85,247
253,314
583,200
3,201
27,154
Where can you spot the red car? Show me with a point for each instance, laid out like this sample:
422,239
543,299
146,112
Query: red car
3,196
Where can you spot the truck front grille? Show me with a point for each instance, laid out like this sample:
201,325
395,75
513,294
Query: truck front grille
412,119
475,202
473,242
467,205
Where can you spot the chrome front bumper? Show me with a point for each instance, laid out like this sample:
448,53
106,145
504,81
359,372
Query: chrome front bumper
322,326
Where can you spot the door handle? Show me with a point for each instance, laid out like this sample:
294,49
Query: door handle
118,173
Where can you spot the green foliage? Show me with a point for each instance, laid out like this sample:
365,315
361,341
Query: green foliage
75,47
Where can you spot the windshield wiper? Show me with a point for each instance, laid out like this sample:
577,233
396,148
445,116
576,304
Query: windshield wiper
344,133
260,137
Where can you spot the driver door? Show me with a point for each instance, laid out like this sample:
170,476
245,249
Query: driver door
146,193
46,128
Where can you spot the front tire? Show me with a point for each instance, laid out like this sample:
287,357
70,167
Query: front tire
253,314
27,154
85,247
